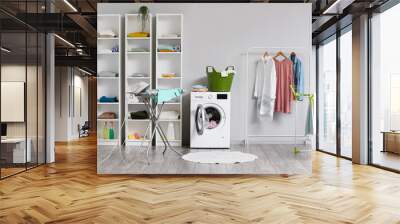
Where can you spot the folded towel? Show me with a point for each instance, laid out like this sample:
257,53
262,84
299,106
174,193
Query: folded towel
168,75
107,115
138,50
139,115
106,33
107,74
105,99
139,87
169,115
139,34
104,51
170,35
169,48
138,75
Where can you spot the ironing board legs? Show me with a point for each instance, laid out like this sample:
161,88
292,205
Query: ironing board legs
154,113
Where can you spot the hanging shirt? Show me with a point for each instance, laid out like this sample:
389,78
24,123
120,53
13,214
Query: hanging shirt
284,95
298,75
265,86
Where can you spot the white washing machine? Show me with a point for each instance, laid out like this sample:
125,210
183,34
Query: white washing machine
210,119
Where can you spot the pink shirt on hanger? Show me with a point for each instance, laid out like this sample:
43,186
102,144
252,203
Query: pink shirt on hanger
284,78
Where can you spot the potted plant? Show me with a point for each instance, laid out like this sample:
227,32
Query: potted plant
143,17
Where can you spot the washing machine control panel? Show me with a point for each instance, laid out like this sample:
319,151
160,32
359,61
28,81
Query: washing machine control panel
222,96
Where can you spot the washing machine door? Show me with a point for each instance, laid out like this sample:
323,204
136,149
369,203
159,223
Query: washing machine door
200,119
214,117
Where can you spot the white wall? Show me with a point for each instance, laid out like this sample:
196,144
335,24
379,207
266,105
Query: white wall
220,34
66,121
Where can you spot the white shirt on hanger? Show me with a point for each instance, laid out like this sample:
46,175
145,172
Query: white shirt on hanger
265,86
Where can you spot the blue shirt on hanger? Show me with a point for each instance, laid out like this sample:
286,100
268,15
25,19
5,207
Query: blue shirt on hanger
298,75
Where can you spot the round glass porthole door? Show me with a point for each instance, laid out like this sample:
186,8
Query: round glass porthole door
214,117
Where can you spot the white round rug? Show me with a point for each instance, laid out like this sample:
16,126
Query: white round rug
218,156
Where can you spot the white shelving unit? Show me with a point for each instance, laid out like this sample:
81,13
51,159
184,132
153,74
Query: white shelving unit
169,31
109,86
138,59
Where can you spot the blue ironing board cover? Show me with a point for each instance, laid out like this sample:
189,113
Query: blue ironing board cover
165,95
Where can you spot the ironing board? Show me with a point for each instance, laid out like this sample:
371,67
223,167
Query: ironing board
154,101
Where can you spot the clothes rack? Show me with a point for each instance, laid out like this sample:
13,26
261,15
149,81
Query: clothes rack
260,51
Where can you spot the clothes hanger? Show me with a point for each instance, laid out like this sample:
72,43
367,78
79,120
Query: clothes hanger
265,55
292,55
280,53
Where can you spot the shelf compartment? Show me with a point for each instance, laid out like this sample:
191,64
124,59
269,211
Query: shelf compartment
138,63
169,24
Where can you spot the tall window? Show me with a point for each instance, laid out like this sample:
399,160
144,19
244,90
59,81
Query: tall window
346,94
327,97
385,89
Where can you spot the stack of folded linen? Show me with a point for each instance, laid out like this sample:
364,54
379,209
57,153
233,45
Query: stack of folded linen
105,99
106,34
199,88
107,115
138,34
169,115
169,48
107,74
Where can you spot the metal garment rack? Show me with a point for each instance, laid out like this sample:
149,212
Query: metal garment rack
271,49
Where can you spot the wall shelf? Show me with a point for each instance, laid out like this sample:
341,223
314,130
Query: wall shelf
137,62
106,86
170,62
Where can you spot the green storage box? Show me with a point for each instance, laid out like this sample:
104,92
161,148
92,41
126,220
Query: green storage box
217,82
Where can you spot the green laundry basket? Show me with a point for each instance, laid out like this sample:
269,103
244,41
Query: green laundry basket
218,83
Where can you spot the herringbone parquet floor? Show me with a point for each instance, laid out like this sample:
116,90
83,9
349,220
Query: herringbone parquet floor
70,191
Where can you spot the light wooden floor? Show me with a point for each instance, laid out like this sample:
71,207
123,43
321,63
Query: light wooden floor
387,159
272,159
70,191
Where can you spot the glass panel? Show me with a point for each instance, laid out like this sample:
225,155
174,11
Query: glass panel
13,87
346,94
327,97
385,84
31,98
41,98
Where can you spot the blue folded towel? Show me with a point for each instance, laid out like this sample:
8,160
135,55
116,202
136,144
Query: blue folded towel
105,99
